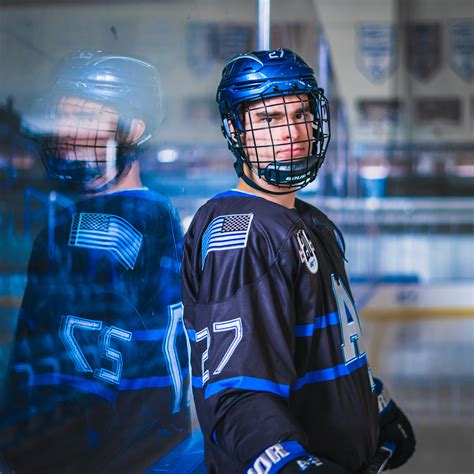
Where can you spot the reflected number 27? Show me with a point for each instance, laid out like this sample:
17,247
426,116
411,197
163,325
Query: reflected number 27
107,333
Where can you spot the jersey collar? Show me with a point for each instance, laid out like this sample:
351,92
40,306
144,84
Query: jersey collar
235,192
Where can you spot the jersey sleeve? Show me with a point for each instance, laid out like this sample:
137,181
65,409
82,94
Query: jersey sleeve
240,315
19,373
167,253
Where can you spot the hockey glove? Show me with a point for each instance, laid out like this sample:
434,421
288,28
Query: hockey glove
394,428
289,457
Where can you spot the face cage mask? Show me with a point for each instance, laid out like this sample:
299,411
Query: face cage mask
87,157
283,139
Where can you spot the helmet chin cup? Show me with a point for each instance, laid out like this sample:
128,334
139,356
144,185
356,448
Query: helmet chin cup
90,175
296,173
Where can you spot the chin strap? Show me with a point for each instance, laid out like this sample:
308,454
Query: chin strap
238,166
121,174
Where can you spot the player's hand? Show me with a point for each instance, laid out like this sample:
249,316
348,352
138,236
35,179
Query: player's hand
289,457
394,428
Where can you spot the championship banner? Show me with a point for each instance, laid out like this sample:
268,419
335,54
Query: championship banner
461,48
230,39
423,49
439,111
376,55
209,43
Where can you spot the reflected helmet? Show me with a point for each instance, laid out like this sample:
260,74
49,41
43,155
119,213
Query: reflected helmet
125,86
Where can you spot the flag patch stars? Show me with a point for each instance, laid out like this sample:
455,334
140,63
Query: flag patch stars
106,232
225,233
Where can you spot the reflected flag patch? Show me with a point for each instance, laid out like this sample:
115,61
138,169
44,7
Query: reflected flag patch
106,232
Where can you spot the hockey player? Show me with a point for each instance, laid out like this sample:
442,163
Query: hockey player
280,372
99,374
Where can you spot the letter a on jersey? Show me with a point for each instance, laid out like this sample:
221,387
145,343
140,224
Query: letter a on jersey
353,343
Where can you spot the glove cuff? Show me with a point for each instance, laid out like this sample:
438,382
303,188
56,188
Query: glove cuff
275,457
383,397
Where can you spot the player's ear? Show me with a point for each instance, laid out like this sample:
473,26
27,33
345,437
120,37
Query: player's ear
137,128
233,133
230,125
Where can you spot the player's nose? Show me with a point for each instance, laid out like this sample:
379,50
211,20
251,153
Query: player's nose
295,131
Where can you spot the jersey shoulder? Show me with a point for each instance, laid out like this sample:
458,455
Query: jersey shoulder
267,216
135,205
131,229
239,235
314,217
236,218
145,212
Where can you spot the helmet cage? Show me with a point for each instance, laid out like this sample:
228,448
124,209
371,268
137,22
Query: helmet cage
308,129
86,157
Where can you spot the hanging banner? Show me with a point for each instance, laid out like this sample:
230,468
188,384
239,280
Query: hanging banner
423,49
199,53
230,39
209,43
461,48
440,111
376,50
379,114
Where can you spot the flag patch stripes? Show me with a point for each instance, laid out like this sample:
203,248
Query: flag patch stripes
226,232
106,232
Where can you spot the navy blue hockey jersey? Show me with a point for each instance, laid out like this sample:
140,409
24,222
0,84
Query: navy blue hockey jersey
277,350
98,380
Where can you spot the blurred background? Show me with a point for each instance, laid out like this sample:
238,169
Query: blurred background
398,178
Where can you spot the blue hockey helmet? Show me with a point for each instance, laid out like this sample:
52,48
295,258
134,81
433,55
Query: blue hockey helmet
127,85
254,81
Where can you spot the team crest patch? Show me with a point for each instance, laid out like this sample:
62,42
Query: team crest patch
307,252
225,233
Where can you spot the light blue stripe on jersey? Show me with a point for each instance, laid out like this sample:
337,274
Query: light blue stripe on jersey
262,385
152,334
191,334
91,386
148,382
320,322
293,450
233,193
331,373
247,383
87,386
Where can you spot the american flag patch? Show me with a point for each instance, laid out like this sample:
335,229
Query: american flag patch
225,233
106,232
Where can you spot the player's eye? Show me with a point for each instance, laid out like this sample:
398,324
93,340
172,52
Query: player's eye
303,116
267,119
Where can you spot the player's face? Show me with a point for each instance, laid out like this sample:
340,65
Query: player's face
86,131
278,128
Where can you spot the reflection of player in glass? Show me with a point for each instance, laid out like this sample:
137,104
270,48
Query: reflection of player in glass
98,377
86,130
280,368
